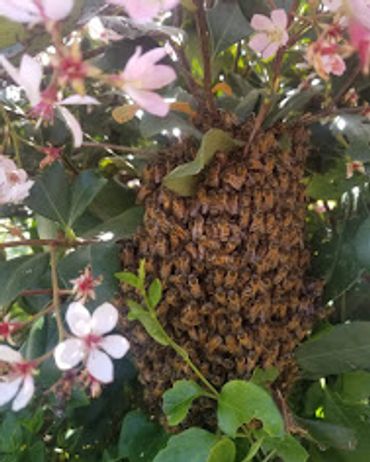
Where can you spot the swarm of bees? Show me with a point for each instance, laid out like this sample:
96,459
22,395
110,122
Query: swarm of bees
233,264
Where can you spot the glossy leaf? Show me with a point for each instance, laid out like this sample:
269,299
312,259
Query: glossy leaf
178,400
240,402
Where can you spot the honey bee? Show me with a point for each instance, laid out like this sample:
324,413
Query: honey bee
231,203
160,246
214,344
233,301
268,200
258,223
190,315
223,260
232,345
198,228
143,193
195,287
182,264
213,175
241,366
235,177
230,278
165,199
236,322
192,249
179,208
284,182
178,280
220,296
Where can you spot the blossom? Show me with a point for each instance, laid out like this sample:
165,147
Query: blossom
18,384
326,60
271,33
14,183
44,103
144,10
8,328
360,40
35,11
354,166
52,154
142,75
84,285
90,344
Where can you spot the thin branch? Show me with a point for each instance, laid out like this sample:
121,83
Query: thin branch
47,242
36,292
114,147
55,285
204,37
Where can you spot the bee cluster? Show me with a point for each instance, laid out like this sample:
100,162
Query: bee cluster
232,261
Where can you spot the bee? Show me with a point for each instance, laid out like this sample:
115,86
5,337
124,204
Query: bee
198,228
175,242
241,366
218,277
268,200
223,260
160,246
235,177
159,171
178,280
195,287
183,264
246,340
258,223
284,182
236,321
214,344
220,296
232,345
257,199
179,208
190,315
143,193
233,301
213,175
230,278
178,231
231,203
128,255
162,221
165,200
223,230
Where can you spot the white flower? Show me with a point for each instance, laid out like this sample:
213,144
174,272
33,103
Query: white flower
44,103
90,343
35,11
14,183
18,385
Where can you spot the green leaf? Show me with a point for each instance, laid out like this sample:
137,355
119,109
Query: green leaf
35,453
356,130
192,445
362,243
150,324
263,377
49,196
178,400
227,25
155,293
344,348
184,178
122,226
288,448
140,439
253,450
86,187
11,434
241,401
355,386
129,278
223,451
152,125
21,274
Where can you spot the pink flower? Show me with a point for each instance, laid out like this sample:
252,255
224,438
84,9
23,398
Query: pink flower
14,183
52,154
145,10
142,75
271,33
326,60
355,166
333,64
18,384
35,11
8,328
360,40
45,103
90,343
84,286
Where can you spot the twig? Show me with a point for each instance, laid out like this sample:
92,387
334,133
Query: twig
55,285
36,292
204,37
347,84
115,147
47,242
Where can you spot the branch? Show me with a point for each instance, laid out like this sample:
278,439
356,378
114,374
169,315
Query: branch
204,36
56,299
47,242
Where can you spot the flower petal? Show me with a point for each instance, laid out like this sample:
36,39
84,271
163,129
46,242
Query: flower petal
20,11
57,10
79,100
100,366
270,50
8,355
149,101
78,319
30,74
69,353
74,125
261,22
162,76
25,394
139,10
259,42
104,319
280,18
115,345
8,390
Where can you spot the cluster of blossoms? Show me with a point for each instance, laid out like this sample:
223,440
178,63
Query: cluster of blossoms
142,76
89,344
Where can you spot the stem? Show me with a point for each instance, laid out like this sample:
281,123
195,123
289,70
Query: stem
31,293
204,36
47,242
269,456
114,147
56,299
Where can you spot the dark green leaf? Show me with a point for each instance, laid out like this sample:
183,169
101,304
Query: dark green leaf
288,448
150,324
241,401
178,400
223,451
192,445
21,274
344,348
140,438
